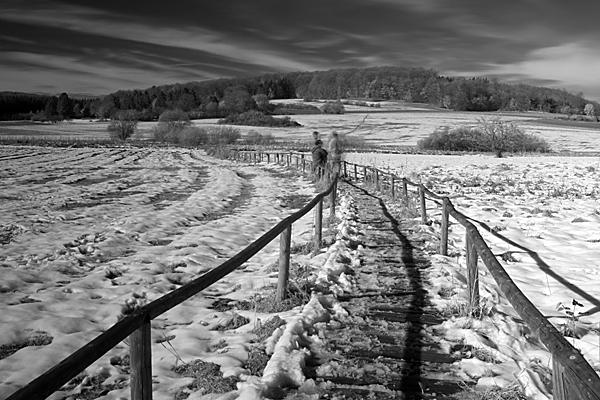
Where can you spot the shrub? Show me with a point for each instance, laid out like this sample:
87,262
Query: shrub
501,136
122,124
222,135
353,142
193,136
295,108
188,136
255,138
458,139
162,134
491,135
333,107
170,126
174,119
257,118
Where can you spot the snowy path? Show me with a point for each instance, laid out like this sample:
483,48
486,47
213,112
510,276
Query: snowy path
388,344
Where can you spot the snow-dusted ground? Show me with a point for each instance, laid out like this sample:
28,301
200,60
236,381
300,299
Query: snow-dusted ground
88,228
84,230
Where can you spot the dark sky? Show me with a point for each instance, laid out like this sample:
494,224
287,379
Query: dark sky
100,46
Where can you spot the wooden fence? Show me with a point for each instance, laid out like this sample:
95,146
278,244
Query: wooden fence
572,378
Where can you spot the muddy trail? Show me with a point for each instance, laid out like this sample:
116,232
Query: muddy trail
387,347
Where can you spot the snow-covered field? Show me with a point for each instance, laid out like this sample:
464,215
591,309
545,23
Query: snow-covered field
84,230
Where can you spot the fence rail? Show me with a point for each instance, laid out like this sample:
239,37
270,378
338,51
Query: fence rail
573,377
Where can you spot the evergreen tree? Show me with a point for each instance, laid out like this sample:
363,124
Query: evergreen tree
64,106
50,110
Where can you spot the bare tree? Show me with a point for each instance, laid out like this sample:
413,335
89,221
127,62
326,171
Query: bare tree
590,110
122,125
499,136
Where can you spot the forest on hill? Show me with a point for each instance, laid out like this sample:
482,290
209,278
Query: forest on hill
227,96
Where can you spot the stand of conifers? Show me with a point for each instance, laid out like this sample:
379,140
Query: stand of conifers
573,377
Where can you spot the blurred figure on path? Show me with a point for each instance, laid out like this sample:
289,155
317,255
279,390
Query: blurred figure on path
319,157
335,153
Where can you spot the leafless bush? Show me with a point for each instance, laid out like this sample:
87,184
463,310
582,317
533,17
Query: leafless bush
259,139
333,107
174,119
353,142
122,125
502,136
223,135
490,135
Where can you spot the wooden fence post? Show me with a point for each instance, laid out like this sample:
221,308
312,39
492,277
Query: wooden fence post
285,240
268,158
140,354
332,197
297,162
345,170
365,174
444,231
355,173
392,190
303,165
376,179
405,189
559,391
472,273
423,209
318,225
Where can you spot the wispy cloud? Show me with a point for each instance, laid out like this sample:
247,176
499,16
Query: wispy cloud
194,40
570,65
90,21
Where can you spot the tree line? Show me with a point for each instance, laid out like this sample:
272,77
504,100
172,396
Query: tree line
219,98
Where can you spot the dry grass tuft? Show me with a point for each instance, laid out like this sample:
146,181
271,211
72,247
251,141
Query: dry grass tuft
462,309
265,330
89,387
208,378
299,290
297,295
235,321
38,339
512,392
257,361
